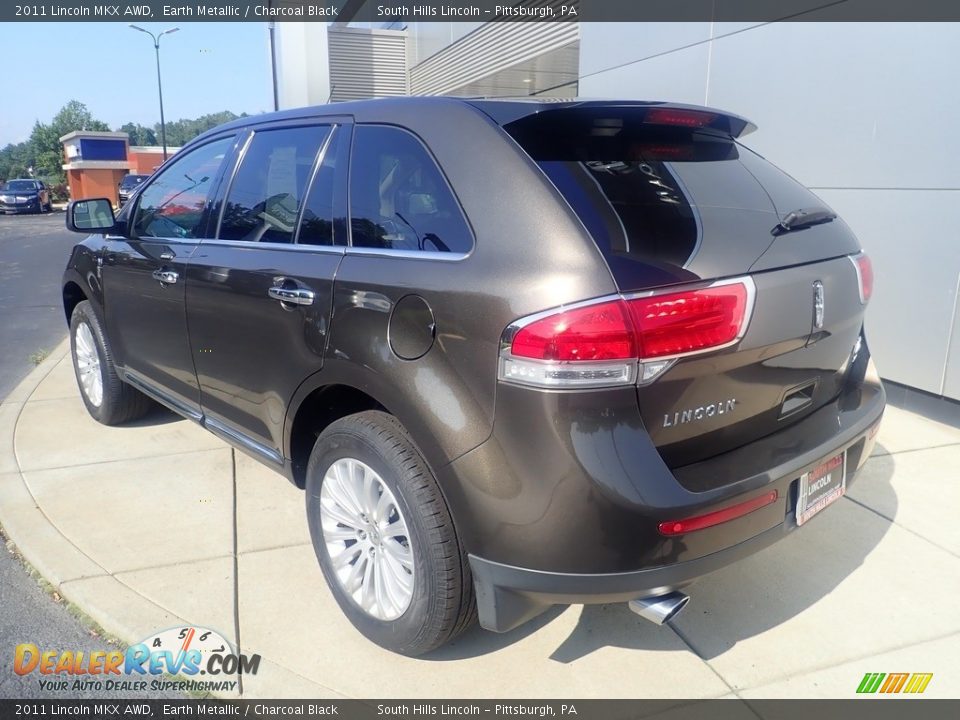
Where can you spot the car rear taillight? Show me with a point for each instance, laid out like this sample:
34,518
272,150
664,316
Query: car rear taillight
864,276
684,322
618,340
594,332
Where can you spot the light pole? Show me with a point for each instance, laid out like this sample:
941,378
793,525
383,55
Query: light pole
156,47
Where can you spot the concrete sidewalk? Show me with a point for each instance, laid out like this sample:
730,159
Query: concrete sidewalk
159,523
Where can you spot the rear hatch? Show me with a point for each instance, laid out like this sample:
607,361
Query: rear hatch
672,199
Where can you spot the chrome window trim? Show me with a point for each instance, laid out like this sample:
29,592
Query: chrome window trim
292,247
418,254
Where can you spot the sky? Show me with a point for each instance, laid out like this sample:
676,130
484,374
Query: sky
207,67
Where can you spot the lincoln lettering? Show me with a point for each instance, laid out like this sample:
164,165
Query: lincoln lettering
704,411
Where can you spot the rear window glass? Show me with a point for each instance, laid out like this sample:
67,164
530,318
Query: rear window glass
630,183
399,200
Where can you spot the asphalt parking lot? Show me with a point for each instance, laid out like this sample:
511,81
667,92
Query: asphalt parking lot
33,254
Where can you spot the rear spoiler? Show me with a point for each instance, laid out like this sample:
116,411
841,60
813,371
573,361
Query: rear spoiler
653,114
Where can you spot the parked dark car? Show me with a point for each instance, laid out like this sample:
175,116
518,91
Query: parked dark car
518,353
127,187
20,196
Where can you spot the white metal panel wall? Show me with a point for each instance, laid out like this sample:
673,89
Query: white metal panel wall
367,63
862,113
489,49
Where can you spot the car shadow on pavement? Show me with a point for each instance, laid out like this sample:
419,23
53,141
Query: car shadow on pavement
735,603
156,416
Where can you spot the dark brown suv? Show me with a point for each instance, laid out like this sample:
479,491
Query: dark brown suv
518,353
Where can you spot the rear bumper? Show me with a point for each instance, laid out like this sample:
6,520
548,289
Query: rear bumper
508,594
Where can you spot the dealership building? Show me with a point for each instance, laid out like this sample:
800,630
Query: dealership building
861,113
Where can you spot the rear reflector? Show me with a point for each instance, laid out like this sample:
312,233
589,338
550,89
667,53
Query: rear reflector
700,522
679,118
864,276
613,341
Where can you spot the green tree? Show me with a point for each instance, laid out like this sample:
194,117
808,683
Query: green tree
43,151
139,135
180,132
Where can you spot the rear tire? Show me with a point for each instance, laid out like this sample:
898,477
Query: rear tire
108,399
370,491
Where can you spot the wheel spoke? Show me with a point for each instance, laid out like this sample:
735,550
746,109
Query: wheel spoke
400,554
367,591
338,532
335,511
394,530
346,556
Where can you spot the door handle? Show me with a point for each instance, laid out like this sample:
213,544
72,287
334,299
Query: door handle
166,277
293,296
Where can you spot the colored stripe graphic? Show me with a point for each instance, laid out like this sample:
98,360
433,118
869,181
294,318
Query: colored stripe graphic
895,682
870,682
913,683
918,682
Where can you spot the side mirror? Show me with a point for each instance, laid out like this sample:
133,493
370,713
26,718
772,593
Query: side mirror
86,216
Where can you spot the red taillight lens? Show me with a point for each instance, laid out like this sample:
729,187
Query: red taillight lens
680,118
594,332
617,340
684,322
679,527
864,276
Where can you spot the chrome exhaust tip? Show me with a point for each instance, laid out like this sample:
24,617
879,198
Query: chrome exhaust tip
659,609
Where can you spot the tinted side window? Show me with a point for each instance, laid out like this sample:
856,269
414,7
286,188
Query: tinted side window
398,197
318,225
172,205
266,192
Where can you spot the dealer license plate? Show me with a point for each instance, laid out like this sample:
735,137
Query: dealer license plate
821,486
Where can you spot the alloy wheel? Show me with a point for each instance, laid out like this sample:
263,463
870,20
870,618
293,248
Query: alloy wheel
88,365
367,539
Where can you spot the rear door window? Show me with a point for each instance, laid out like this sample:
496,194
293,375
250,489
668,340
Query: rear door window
263,202
399,199
324,213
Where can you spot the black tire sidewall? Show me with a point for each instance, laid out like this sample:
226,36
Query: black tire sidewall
400,634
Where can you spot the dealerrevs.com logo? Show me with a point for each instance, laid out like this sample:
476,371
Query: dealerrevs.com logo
179,659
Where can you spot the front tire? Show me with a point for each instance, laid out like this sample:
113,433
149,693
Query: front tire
108,399
384,536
